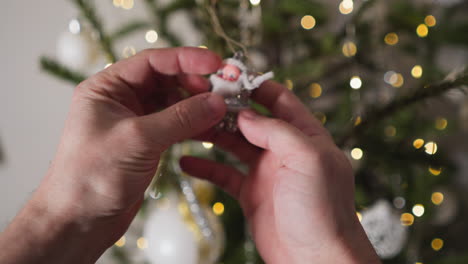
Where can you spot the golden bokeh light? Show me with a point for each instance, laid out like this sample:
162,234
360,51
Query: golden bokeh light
359,216
437,244
418,210
437,198
349,49
127,4
308,22
390,131
218,208
289,84
142,243
355,82
315,90
407,219
346,7
441,123
430,148
117,3
128,51
391,39
357,153
417,71
151,36
203,47
321,117
422,30
430,21
207,145
435,171
357,121
121,242
397,80
255,2
418,143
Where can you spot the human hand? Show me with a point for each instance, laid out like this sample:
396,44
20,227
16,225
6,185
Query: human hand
298,196
109,152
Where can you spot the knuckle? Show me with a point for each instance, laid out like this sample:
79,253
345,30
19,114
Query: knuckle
182,115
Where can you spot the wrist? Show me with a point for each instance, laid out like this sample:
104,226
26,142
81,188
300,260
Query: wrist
39,233
348,246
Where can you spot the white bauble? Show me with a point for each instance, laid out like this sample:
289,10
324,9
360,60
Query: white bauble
169,238
384,229
77,51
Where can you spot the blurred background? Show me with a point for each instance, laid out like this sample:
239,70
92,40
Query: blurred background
387,78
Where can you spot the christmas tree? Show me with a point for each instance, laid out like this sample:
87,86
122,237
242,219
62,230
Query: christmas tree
385,77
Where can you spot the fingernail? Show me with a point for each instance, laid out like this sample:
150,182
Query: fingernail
249,114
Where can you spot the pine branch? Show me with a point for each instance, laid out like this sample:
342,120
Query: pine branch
53,67
424,92
88,12
128,29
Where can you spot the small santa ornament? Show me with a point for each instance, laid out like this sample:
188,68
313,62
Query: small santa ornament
235,82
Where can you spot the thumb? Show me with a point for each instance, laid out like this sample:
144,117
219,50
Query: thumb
275,135
186,119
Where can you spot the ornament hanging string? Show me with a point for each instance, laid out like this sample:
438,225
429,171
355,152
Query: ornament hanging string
218,29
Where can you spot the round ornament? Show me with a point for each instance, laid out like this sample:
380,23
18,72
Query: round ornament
76,47
173,237
384,230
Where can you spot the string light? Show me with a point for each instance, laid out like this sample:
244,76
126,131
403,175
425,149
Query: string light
358,121
151,36
422,30
435,171
117,3
315,90
355,82
391,39
431,148
346,7
407,219
321,116
127,4
417,71
399,202
349,49
74,26
441,123
121,242
359,216
142,243
357,153
207,145
418,210
437,244
430,21
394,79
390,131
255,2
308,22
418,143
437,198
218,208
289,84
128,51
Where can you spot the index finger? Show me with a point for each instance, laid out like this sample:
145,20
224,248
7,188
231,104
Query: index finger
286,106
143,71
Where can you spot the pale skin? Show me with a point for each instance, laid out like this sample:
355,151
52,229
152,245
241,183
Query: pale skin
298,196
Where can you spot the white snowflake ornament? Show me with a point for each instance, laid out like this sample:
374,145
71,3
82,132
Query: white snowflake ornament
384,229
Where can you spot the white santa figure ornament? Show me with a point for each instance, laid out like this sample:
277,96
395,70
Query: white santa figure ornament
235,82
